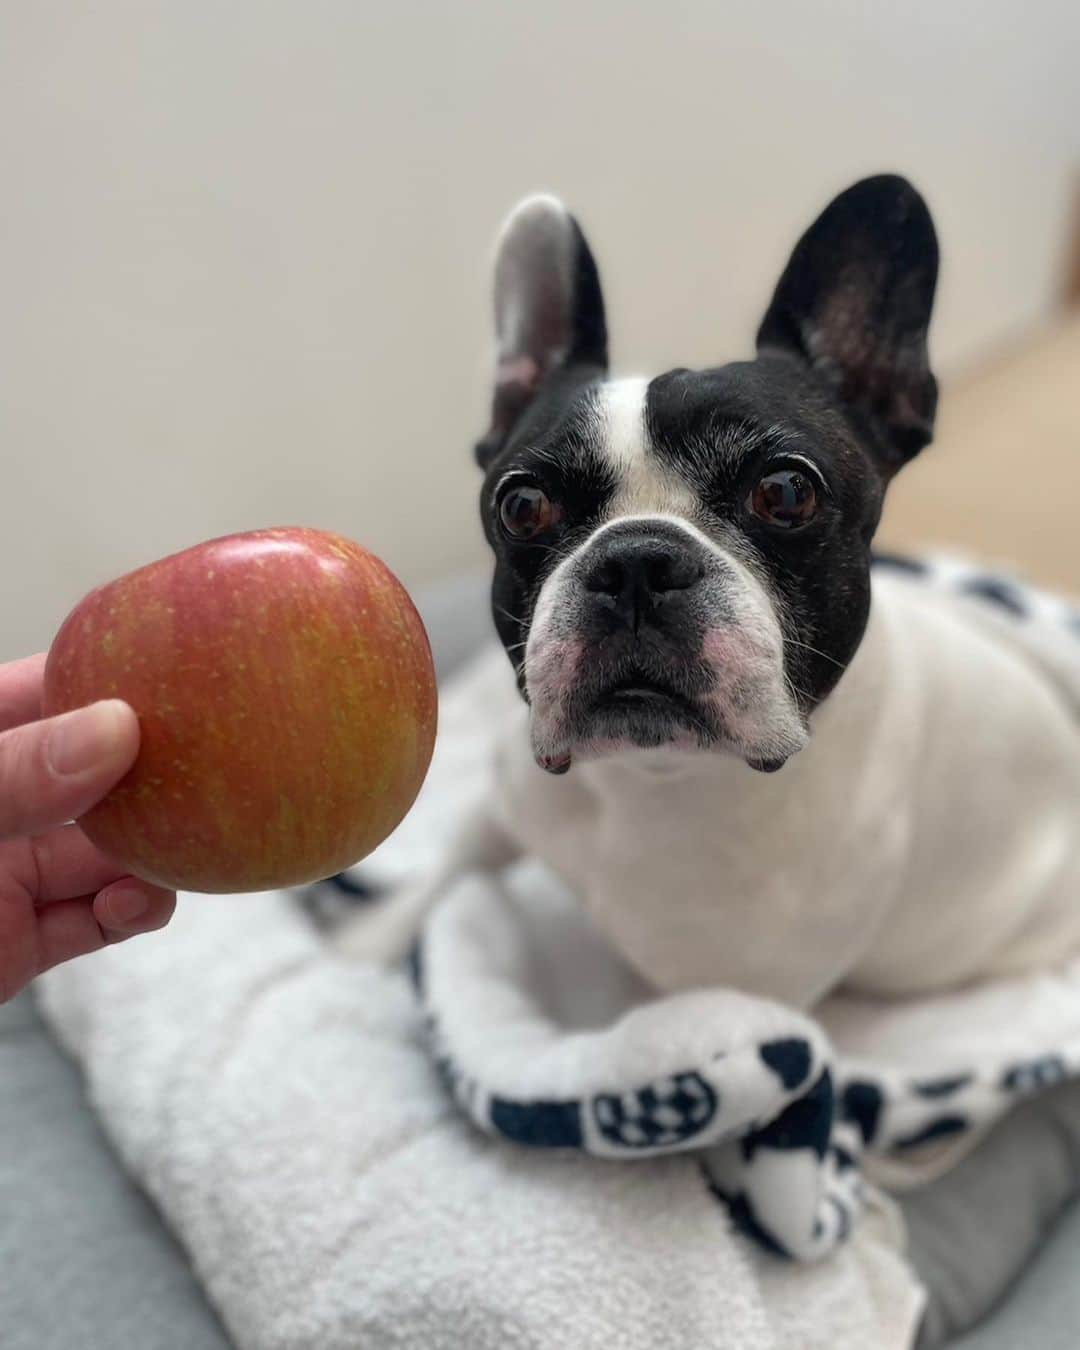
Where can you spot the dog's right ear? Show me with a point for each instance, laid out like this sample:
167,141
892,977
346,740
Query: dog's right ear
549,311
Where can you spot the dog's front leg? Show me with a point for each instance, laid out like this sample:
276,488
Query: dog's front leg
385,931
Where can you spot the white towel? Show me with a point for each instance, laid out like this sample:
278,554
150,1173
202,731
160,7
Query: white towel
277,1105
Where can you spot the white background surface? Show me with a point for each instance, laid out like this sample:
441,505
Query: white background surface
244,246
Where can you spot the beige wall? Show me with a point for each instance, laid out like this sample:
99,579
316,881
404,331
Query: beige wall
243,245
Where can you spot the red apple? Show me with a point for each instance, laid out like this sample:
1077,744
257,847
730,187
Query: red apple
285,691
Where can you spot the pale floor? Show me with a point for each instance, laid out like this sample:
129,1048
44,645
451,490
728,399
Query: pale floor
1002,478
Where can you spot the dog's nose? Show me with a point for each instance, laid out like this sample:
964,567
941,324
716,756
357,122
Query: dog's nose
634,575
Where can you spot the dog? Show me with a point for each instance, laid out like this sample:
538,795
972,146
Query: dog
755,764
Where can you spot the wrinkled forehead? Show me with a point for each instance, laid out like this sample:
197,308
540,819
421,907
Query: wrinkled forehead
662,444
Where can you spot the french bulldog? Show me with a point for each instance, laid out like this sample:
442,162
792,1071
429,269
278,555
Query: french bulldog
756,760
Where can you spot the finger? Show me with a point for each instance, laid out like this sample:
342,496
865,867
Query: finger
55,770
18,938
20,691
58,865
66,930
131,906
71,928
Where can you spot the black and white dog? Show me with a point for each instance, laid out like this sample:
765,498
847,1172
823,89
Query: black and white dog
761,771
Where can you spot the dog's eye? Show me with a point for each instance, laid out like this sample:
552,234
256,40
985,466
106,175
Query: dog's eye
786,499
526,511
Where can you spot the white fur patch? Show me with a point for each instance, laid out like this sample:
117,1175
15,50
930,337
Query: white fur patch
645,483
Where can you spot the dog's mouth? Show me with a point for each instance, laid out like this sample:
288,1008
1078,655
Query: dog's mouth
640,693
643,709
628,707
654,702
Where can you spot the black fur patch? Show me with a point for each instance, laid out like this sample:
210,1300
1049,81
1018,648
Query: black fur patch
854,303
723,429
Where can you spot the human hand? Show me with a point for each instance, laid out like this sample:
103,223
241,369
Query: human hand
60,897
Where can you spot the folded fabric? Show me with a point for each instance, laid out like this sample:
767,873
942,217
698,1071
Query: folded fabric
278,1105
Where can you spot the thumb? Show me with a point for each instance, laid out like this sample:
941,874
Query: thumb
54,770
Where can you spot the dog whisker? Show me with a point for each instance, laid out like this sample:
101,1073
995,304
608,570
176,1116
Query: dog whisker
797,693
817,652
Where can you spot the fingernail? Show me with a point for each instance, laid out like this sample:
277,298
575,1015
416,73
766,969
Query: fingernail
82,739
123,907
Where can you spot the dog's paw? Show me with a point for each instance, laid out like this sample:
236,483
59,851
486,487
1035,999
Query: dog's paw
383,933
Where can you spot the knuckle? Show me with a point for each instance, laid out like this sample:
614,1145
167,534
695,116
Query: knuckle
23,779
39,857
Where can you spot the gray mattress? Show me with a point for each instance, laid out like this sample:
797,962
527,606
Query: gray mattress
86,1262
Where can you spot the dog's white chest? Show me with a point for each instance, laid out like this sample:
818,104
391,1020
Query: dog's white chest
926,836
679,892
721,878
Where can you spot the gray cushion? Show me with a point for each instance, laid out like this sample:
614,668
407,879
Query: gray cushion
85,1260
974,1230
457,615
1043,1308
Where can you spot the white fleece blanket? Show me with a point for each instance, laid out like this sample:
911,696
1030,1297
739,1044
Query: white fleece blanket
278,1106
281,1107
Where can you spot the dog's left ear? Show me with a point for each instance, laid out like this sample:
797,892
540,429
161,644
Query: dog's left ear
854,302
